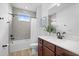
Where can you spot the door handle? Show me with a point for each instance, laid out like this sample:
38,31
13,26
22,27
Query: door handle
4,45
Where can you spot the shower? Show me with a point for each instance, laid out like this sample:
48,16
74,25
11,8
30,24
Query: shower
21,27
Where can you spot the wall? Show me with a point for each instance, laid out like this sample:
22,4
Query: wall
34,30
10,20
68,21
42,11
21,30
38,17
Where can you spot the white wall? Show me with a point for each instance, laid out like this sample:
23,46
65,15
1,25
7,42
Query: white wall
34,30
69,17
10,20
42,11
38,17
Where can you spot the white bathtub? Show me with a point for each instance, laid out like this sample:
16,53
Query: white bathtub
19,45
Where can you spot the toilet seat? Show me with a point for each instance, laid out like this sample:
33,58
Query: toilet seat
34,48
34,44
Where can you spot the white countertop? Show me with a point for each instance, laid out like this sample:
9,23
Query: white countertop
68,44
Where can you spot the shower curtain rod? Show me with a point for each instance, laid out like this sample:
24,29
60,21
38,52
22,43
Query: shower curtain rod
20,14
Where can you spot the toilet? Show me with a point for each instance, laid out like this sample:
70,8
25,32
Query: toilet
34,47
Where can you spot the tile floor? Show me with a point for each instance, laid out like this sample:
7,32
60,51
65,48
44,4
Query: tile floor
26,52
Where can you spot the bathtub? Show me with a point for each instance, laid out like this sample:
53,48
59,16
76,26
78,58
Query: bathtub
17,45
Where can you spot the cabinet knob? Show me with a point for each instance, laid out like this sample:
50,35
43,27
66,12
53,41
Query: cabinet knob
8,22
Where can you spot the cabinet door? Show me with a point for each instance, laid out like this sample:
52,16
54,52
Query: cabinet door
39,49
49,45
63,52
47,52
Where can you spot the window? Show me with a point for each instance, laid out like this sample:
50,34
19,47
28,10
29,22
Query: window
24,18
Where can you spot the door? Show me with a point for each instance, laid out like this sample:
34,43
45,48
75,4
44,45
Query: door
21,27
3,38
4,29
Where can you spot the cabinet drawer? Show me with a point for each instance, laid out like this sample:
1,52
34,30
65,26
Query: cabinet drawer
49,45
63,52
40,40
47,52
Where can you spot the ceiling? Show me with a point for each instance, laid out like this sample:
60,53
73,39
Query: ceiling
56,8
52,9
26,6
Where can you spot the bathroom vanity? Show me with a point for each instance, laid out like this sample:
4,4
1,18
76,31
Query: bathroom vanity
49,46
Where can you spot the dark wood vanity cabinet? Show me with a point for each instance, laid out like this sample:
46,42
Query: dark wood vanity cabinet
47,52
46,48
40,47
62,52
